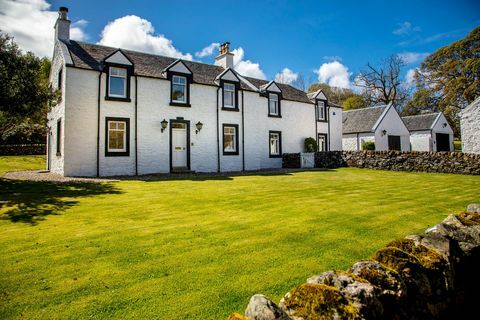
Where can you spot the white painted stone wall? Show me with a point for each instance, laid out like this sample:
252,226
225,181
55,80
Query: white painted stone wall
393,124
421,140
56,162
470,128
336,128
349,142
297,123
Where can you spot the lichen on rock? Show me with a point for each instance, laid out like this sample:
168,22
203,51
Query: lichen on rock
318,302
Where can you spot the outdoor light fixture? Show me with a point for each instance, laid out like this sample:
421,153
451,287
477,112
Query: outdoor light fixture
164,124
199,126
444,124
384,132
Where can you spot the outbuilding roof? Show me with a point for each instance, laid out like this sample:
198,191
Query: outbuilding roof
91,56
420,122
361,120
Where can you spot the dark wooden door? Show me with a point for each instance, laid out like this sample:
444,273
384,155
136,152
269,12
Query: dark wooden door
394,143
443,142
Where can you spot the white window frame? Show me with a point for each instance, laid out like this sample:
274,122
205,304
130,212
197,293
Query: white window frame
273,100
321,106
125,83
230,90
234,136
124,149
278,147
325,147
184,85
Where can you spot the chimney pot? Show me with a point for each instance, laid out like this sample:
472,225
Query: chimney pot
225,57
62,26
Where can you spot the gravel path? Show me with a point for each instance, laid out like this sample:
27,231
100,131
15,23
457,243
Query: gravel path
43,175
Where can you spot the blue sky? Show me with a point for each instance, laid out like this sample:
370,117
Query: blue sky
299,35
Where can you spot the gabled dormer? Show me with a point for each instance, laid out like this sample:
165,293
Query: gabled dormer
273,93
321,102
229,81
119,69
180,77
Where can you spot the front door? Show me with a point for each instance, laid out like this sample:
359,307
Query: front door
322,142
394,143
179,145
443,142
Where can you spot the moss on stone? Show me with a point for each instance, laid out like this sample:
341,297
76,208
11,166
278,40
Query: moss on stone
469,218
379,279
396,259
237,316
428,258
319,302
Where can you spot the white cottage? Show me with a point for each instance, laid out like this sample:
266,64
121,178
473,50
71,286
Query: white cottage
429,132
124,112
380,124
470,127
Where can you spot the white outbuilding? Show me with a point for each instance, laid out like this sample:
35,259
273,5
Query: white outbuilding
429,132
380,124
470,127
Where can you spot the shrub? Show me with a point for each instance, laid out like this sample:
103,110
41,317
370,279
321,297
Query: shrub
368,145
310,145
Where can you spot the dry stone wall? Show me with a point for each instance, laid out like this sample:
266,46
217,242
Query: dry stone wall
433,275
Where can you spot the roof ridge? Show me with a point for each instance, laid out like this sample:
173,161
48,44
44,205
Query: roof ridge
366,108
421,115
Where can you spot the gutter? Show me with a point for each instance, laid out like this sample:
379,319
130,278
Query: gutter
218,135
136,126
98,122
243,135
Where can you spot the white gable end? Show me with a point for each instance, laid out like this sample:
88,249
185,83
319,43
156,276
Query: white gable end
321,96
119,57
273,87
179,67
229,76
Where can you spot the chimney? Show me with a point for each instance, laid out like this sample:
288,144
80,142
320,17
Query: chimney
62,26
225,57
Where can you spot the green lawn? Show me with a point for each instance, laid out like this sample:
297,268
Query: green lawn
198,249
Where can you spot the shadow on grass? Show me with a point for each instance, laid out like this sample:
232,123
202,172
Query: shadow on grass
31,201
212,176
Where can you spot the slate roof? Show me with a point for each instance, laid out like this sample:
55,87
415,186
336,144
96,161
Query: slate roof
90,56
361,120
420,122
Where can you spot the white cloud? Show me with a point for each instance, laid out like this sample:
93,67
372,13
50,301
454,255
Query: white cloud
134,33
334,74
31,23
332,58
246,67
413,57
208,50
287,76
405,28
410,78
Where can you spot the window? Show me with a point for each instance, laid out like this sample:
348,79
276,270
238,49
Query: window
179,89
59,137
230,139
229,96
117,82
275,142
321,111
273,105
117,137
59,85
322,142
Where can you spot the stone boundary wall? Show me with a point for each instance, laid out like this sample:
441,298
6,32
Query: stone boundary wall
434,275
23,149
439,162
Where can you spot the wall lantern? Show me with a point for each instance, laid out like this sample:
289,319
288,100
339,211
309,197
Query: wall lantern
164,124
199,126
384,132
444,124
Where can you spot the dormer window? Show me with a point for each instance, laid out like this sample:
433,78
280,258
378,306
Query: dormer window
321,111
179,89
229,95
117,87
273,105
230,102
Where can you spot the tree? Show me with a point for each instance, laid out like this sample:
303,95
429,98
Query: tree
382,83
354,102
422,101
25,93
334,94
451,76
